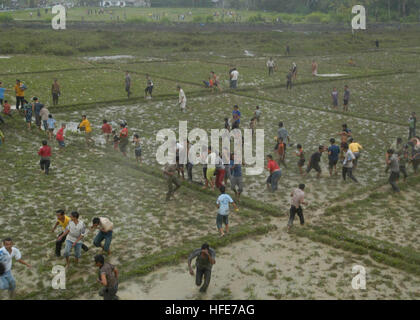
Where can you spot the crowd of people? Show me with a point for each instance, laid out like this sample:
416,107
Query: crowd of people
219,171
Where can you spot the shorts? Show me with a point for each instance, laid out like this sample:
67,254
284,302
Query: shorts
346,102
332,163
236,181
137,152
28,119
149,90
316,167
61,144
301,162
221,219
210,173
38,120
123,146
51,130
45,124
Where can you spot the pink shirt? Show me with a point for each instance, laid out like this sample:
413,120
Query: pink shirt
297,197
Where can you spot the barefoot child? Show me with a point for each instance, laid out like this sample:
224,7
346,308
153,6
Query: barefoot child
137,147
60,136
223,202
51,126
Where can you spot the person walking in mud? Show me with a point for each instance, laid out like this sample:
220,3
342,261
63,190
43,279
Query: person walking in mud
169,172
206,258
107,277
123,142
297,200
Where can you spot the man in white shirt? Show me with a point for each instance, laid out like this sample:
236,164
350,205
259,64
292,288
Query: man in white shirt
234,78
182,100
348,163
297,200
271,65
105,232
75,231
7,253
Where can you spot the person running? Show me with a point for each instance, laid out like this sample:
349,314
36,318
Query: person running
7,253
412,121
271,66
28,113
280,152
220,172
107,277
85,127
283,134
137,148
106,130
45,154
60,137
55,92
356,148
223,202
334,96
289,80
348,163
75,231
128,84
123,141
394,164
182,99
236,182
105,233
344,134
297,200
36,109
346,98
206,258
234,75
62,221
149,87
169,172
301,155
314,162
333,153
275,173
314,68
51,126
20,93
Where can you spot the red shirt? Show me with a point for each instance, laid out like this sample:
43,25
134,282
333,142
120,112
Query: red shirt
6,108
124,133
45,151
60,135
106,128
272,166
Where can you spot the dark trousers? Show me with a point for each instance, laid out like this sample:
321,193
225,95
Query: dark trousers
293,211
172,180
55,98
19,102
200,272
109,293
45,165
403,170
59,244
1,120
411,133
189,170
348,172
289,84
393,181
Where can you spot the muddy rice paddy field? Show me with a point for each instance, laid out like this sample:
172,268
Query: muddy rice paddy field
346,224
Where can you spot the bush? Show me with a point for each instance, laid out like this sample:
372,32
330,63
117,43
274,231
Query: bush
6,17
315,17
256,19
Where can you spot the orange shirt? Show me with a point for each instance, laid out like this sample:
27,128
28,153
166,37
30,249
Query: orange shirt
19,91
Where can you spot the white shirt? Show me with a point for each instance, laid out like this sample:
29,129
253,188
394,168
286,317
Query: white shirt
75,230
6,257
348,159
182,97
270,63
105,224
297,198
235,74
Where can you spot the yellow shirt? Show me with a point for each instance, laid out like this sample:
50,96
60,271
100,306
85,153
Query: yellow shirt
355,147
19,91
85,123
65,223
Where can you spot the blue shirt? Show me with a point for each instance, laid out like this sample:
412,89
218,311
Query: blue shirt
238,113
224,200
2,93
38,107
51,123
335,151
236,169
